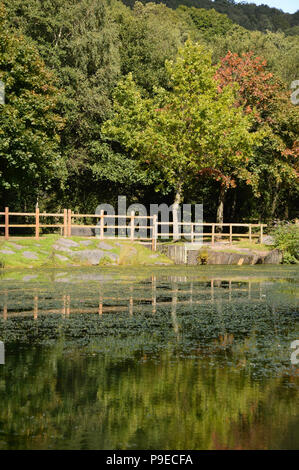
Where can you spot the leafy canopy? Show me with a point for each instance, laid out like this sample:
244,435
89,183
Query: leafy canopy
191,127
30,124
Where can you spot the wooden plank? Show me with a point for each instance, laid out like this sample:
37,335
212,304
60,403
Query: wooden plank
65,222
45,214
37,223
102,225
132,225
31,214
69,222
109,216
6,236
51,225
22,225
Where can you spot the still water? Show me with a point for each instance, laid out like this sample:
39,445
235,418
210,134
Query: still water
164,358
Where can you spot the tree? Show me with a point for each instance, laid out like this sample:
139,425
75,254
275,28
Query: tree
189,129
30,125
263,95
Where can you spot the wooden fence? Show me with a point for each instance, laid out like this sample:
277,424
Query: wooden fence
191,231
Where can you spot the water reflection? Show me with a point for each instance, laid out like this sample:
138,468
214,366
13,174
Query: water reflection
157,362
150,295
53,399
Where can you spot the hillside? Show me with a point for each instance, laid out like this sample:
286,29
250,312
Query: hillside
248,15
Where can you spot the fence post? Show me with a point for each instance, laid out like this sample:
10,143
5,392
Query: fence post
154,233
213,234
250,235
230,234
102,225
37,223
65,222
132,225
192,233
261,236
6,223
69,222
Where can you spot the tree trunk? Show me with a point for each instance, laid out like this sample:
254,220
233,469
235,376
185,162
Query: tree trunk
175,212
275,200
234,205
220,208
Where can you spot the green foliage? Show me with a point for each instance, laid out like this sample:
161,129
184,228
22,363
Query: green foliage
30,123
246,14
286,237
187,129
209,22
90,46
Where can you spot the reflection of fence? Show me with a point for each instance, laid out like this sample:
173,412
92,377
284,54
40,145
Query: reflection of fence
132,227
69,304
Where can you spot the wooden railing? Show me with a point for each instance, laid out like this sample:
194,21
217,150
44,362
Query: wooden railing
191,231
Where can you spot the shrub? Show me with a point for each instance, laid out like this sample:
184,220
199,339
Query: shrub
286,238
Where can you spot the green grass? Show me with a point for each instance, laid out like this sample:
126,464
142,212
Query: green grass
253,245
129,253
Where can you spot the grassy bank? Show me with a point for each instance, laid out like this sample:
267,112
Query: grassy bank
52,250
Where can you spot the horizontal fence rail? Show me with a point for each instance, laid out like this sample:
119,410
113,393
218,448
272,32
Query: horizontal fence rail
127,226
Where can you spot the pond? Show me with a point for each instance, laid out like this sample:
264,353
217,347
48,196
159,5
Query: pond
162,358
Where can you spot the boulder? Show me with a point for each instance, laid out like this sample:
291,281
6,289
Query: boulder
267,240
29,255
104,246
83,231
16,246
273,257
61,257
94,256
67,242
7,252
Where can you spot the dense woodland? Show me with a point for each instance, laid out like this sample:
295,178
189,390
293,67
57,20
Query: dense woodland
183,104
246,14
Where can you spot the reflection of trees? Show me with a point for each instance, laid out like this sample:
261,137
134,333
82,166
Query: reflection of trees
76,401
95,383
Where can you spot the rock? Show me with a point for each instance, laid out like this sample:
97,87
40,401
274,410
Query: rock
29,277
268,240
29,255
61,248
64,244
85,242
16,246
83,231
228,258
104,246
67,242
274,257
93,256
113,256
7,252
61,257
